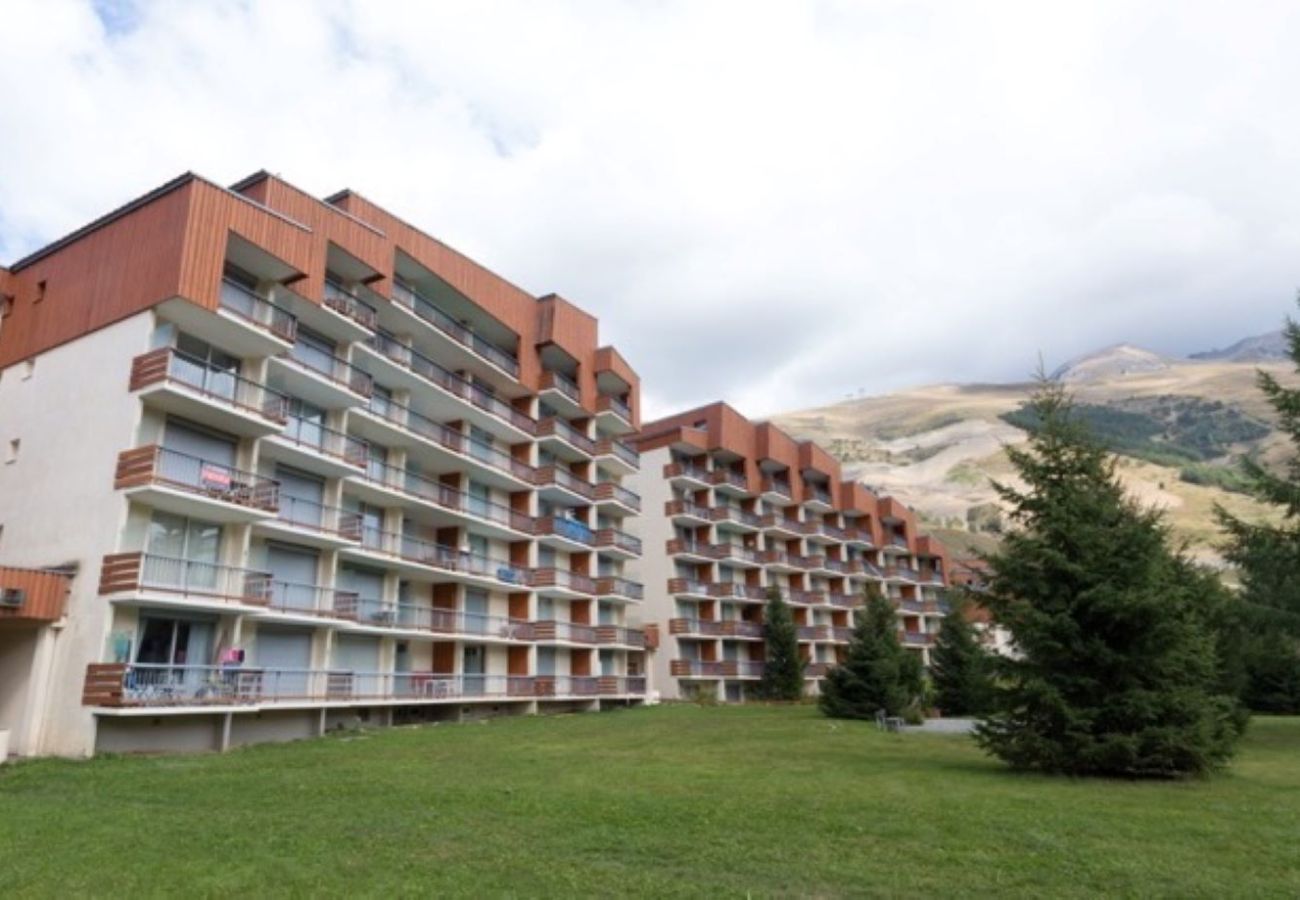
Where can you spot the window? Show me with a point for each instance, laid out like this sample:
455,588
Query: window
14,446
40,291
29,367
6,305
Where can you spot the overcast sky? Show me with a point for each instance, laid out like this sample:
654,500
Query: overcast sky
777,204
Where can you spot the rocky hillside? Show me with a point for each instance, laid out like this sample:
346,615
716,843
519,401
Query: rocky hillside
1178,427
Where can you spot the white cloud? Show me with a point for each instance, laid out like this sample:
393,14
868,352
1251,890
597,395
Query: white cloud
775,203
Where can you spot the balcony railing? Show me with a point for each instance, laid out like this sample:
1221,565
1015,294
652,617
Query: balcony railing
561,383
695,668
686,470
730,551
450,439
569,632
615,447
326,441
564,579
220,386
553,427
609,491
436,620
814,633
308,599
809,598
729,477
313,516
258,311
193,475
446,497
611,404
689,586
917,639
392,348
841,634
427,310
816,493
613,539
898,540
686,508
776,486
713,628
126,572
742,668
613,586
161,685
438,556
775,521
349,305
844,601
736,591
332,368
816,670
738,516
568,529
911,606
560,477
618,634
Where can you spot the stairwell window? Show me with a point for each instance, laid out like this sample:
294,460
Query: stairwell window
40,291
11,456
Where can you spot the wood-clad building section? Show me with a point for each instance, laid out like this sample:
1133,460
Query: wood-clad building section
32,596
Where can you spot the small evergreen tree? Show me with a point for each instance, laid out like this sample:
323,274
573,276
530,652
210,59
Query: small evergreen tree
877,672
1268,556
783,671
1117,668
960,667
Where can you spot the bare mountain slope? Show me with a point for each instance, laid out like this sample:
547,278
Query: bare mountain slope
937,446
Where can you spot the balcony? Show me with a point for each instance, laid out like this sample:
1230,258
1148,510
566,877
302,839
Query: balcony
737,519
707,628
821,533
470,349
274,326
844,601
550,631
559,485
420,558
614,588
781,526
619,636
732,590
371,614
689,588
902,573
859,537
165,580
690,551
780,561
814,632
621,685
565,534
189,486
931,577
382,484
619,544
736,555
456,397
309,601
312,523
32,596
685,474
909,606
563,584
321,378
251,688
561,393
615,499
896,543
808,598
339,300
613,415
392,423
816,670
695,668
730,482
684,512
564,441
742,668
176,383
817,498
777,490
316,448
615,456
917,639
861,570
840,634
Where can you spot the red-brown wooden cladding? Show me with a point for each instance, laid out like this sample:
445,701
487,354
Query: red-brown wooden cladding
44,595
105,685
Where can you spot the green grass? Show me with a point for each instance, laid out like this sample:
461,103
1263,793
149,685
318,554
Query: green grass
667,801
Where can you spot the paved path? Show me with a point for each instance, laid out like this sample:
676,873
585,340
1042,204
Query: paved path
945,726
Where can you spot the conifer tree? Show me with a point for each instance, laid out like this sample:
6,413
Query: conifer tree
783,669
960,667
1268,556
877,672
1117,669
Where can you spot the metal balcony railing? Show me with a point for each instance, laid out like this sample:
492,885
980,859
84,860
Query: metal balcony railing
193,475
460,332
257,311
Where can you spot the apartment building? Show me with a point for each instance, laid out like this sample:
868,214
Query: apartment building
733,508
296,463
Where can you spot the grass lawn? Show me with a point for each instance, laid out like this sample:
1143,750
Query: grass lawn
672,800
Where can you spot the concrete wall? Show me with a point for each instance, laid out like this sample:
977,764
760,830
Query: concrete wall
654,568
72,413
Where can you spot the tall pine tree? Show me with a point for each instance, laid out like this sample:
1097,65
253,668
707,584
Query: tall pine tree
960,667
1268,556
1117,667
783,669
877,672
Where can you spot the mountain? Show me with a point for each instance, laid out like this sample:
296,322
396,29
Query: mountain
1260,348
1176,425
1121,359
